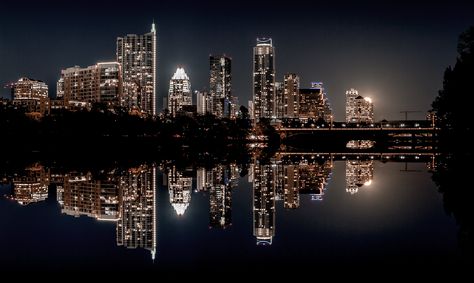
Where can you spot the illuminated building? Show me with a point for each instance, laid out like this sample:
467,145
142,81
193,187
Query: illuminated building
291,96
313,103
83,195
32,186
358,109
358,173
251,110
278,106
137,55
263,79
203,102
179,94
220,85
263,204
97,83
137,226
179,188
31,95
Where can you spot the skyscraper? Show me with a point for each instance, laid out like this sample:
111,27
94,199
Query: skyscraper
220,83
263,79
291,96
313,103
179,94
278,106
203,102
138,57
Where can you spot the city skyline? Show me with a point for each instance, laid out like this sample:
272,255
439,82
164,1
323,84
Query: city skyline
354,47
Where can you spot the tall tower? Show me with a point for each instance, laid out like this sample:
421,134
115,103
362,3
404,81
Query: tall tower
138,57
351,96
179,93
263,79
220,83
291,96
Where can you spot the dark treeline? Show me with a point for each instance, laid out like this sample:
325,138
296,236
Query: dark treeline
100,133
453,107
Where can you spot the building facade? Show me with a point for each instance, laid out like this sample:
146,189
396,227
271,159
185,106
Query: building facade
99,83
291,96
179,94
263,79
359,109
313,103
220,85
137,55
31,95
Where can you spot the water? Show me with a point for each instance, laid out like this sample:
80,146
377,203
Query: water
296,211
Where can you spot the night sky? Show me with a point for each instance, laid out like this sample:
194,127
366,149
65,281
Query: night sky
391,51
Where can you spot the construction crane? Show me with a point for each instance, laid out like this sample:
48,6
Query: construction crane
406,113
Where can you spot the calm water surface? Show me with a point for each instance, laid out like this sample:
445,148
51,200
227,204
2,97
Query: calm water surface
291,212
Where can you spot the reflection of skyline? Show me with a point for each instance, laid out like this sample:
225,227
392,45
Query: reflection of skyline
359,173
128,197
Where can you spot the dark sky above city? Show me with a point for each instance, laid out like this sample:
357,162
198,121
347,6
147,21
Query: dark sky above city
392,51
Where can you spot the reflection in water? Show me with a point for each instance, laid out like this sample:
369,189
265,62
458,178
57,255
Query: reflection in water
358,173
180,190
129,197
32,186
136,227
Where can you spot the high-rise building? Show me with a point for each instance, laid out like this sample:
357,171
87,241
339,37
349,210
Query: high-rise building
179,187
263,203
359,109
138,56
278,106
313,103
97,83
137,227
220,84
359,173
263,79
31,95
179,94
291,96
203,102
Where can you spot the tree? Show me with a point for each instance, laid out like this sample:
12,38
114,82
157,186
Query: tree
454,103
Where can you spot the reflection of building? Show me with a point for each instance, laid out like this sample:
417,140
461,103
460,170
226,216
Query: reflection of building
291,191
358,108
179,190
220,198
97,83
31,95
32,186
263,79
138,57
137,225
179,94
83,195
263,204
358,173
220,84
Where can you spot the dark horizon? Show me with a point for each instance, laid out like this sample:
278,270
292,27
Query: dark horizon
394,53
